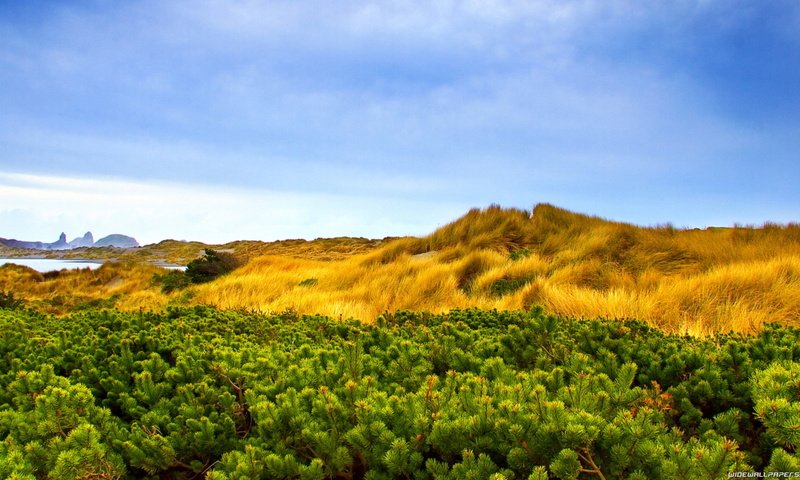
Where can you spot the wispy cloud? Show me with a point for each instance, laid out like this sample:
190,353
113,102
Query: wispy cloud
627,106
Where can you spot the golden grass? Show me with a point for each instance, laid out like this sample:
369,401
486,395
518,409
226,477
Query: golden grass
683,281
69,290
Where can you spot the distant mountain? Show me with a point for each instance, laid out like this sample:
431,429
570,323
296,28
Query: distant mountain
87,240
117,240
60,244
13,243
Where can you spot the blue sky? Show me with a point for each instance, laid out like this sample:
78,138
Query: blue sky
223,120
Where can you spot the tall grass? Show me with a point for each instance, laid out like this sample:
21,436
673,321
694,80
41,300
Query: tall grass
685,281
125,285
688,281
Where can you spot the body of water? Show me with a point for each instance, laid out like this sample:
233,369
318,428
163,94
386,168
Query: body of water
50,264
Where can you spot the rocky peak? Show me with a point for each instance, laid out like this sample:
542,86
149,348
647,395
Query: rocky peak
60,244
87,240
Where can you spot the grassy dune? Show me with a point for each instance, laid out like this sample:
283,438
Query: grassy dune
122,285
684,281
688,281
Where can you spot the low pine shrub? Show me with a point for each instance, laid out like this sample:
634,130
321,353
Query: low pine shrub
198,392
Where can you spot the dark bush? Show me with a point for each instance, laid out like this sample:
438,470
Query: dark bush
172,280
503,286
51,275
211,265
8,301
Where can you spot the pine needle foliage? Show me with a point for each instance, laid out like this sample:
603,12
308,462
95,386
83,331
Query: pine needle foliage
198,392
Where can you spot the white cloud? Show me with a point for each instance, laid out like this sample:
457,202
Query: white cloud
362,104
38,207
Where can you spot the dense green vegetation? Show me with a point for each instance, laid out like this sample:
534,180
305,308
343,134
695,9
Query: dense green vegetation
198,392
211,265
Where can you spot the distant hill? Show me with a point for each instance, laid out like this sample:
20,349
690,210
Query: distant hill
117,240
87,240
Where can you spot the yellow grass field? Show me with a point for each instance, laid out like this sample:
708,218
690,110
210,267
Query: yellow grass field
685,281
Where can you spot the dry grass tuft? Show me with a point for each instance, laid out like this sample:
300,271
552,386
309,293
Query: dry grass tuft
689,281
685,281
67,290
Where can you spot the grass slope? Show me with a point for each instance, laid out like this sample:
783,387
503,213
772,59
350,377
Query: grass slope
684,281
687,281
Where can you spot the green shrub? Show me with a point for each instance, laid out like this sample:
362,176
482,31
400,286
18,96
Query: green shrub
504,286
98,303
204,393
8,301
776,391
172,280
519,254
211,265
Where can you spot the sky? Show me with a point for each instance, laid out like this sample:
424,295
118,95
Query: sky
218,120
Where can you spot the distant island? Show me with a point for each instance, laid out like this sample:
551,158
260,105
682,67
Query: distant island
87,240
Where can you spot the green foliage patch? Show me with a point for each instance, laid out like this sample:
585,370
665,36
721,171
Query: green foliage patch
519,254
308,282
9,301
504,286
172,281
211,265
198,392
